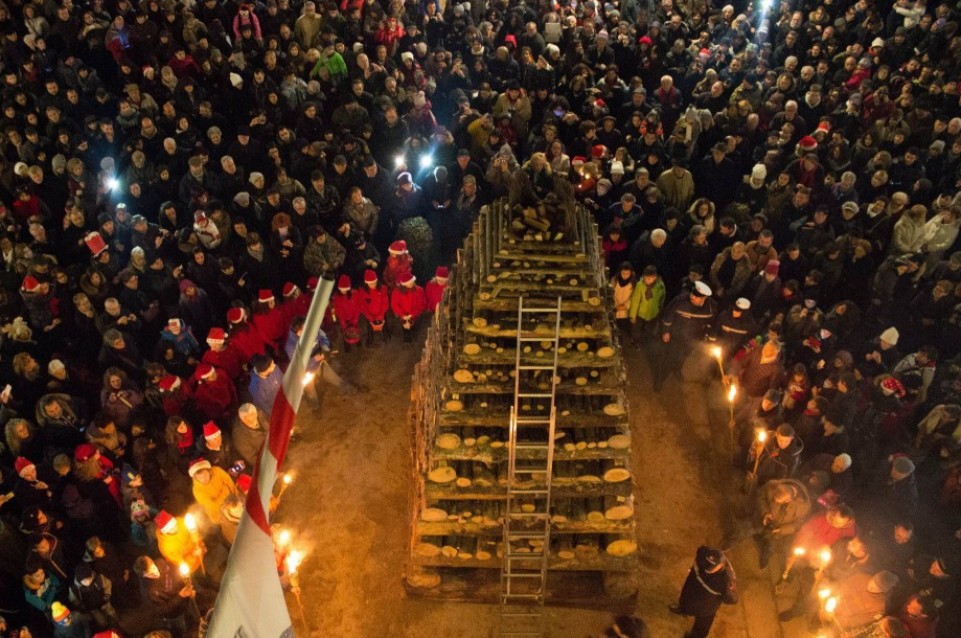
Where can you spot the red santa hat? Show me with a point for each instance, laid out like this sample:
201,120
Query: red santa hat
197,465
892,386
216,336
578,159
243,483
169,383
406,279
442,274
370,277
22,464
598,150
808,144
772,267
600,103
95,243
264,295
312,284
106,634
399,247
165,522
343,283
30,284
824,127
290,289
211,430
236,315
205,371
84,452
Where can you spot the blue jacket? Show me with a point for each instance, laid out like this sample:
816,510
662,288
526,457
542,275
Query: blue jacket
264,391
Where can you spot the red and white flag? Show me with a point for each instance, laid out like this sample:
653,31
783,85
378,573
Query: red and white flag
251,601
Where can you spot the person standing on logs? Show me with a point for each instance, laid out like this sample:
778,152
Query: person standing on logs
710,582
684,324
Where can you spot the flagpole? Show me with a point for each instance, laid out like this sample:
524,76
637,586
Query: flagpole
251,600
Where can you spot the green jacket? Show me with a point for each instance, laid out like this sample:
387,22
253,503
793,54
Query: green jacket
646,308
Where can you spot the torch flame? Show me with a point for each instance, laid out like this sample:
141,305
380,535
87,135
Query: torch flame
716,352
190,522
288,478
293,561
761,436
831,604
799,551
283,539
824,593
184,569
732,393
308,378
825,557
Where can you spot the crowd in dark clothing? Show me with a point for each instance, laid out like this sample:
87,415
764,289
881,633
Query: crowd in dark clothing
176,176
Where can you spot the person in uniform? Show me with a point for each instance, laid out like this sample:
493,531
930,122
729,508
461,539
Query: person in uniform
684,324
710,582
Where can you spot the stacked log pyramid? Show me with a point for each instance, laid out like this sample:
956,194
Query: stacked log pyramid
463,390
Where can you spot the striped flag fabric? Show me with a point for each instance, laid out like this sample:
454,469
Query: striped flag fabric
251,602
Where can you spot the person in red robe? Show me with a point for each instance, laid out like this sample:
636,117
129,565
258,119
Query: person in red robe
407,302
374,303
268,320
223,355
243,335
399,262
347,312
175,395
434,290
214,393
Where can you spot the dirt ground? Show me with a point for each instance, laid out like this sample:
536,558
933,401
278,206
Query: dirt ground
350,507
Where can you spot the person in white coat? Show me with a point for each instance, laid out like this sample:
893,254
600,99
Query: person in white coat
939,234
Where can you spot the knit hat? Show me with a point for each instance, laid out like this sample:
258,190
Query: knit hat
84,452
772,267
399,247
165,522
617,168
370,277
23,464
289,289
890,336
235,80
442,273
216,336
198,465
343,283
406,279
204,371
598,150
265,295
901,468
169,383
759,172
30,284
850,206
59,612
211,431
882,582
236,315
312,283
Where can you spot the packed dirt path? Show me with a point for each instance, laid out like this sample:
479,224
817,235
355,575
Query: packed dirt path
349,507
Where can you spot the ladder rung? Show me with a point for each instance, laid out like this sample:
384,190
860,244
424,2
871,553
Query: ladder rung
532,419
531,445
540,310
528,575
525,556
526,492
523,536
537,339
530,470
523,367
534,395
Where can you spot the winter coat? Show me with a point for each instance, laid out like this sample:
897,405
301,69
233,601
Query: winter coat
408,302
434,292
323,259
704,592
908,235
374,303
228,361
742,275
263,391
247,442
787,518
179,547
647,301
248,340
622,298
347,311
270,325
212,495
217,398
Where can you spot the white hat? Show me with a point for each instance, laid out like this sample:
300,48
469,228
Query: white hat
701,289
841,463
890,336
617,168
759,171
742,304
877,42
236,80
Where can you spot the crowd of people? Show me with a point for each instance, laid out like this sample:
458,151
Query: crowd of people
779,179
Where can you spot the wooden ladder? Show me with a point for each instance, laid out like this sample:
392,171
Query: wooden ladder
527,512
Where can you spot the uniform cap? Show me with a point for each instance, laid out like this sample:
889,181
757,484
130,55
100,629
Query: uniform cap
701,289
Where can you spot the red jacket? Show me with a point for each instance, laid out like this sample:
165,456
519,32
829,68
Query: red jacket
229,360
817,533
434,293
174,402
271,326
247,341
408,301
374,303
347,311
396,265
216,399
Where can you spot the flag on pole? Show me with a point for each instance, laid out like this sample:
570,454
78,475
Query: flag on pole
251,601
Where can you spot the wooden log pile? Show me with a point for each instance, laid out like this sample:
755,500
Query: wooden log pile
463,390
